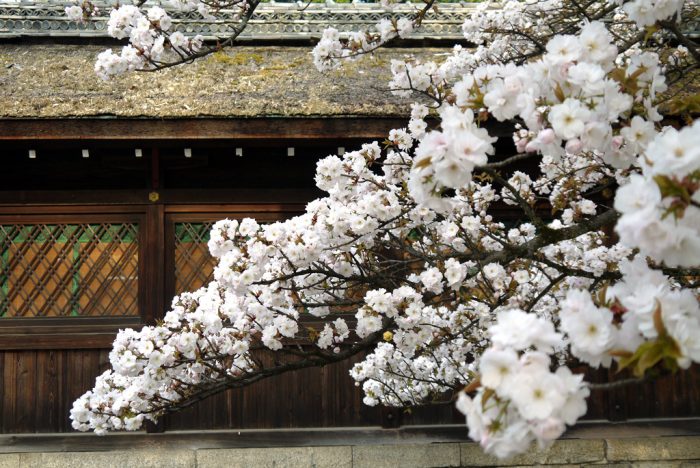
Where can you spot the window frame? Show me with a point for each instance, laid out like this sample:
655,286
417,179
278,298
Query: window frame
77,332
174,214
156,270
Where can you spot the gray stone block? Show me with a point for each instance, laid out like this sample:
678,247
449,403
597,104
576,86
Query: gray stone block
277,457
406,456
153,458
653,449
9,460
605,465
562,452
656,464
568,465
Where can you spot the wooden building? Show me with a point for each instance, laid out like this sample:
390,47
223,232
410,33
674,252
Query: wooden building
108,191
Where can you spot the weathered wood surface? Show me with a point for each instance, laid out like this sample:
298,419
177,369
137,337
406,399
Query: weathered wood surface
38,389
250,130
45,368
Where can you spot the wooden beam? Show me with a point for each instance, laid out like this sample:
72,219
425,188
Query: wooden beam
269,128
101,201
55,342
63,333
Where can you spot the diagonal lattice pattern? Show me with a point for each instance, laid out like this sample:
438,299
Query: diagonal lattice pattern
194,265
63,270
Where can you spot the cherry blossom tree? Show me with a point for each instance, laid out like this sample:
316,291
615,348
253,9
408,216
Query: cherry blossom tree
407,259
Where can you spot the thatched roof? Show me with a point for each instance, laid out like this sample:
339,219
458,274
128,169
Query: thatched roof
57,81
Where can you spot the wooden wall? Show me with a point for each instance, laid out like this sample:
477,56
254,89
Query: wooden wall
39,387
44,371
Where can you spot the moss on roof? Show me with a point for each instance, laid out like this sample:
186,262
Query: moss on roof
57,81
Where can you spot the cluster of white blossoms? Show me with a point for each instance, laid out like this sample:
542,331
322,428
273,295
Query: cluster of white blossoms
656,315
631,315
644,320
332,49
447,158
649,12
452,268
153,42
659,207
520,399
569,101
150,41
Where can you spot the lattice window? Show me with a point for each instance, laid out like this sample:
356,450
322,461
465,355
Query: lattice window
64,270
194,265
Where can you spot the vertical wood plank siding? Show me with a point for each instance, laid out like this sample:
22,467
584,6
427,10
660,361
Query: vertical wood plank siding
41,378
39,387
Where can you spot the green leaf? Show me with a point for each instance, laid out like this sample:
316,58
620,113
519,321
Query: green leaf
618,74
671,188
424,162
649,359
414,234
649,32
313,333
626,362
664,349
671,349
488,393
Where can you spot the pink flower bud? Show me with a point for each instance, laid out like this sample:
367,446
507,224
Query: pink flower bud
521,145
573,146
617,141
546,136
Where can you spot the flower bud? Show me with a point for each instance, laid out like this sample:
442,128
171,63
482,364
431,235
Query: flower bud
546,136
521,145
573,146
617,142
